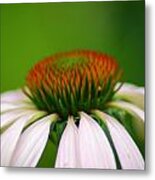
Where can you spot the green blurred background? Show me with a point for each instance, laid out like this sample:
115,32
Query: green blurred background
30,32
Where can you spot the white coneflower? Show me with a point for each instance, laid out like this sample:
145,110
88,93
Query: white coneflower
74,113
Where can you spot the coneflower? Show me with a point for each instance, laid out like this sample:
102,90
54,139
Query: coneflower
77,97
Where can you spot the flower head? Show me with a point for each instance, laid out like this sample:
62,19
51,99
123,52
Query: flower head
74,104
70,82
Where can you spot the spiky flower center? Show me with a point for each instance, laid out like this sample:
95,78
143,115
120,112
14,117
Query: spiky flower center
74,81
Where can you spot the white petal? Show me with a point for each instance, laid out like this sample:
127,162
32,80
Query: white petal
130,87
10,138
129,107
94,148
32,143
5,106
128,153
10,117
67,156
131,93
137,123
14,96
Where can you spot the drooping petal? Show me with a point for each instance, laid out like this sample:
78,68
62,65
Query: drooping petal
128,86
32,143
128,153
7,106
129,107
131,93
13,100
10,117
11,136
138,125
135,124
94,148
67,156
14,96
